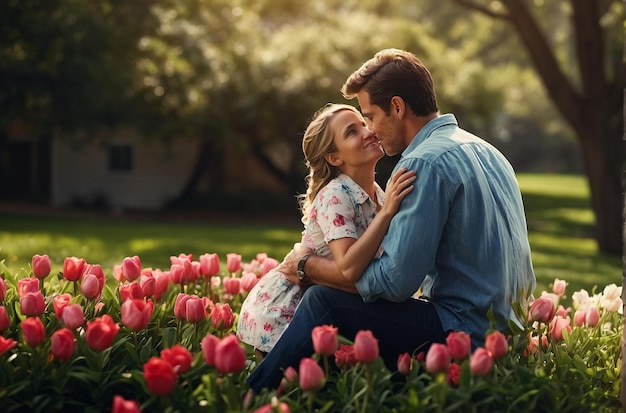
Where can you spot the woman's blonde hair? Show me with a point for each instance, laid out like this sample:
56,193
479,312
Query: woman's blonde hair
318,141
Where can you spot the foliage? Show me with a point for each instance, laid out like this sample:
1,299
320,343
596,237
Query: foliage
541,368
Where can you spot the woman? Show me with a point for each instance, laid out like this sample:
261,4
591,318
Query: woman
343,214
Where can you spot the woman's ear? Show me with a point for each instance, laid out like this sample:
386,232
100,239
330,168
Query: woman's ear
333,159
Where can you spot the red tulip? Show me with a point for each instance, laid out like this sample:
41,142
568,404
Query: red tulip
5,321
344,356
459,345
121,405
101,332
454,374
542,310
59,303
73,268
437,358
136,313
365,347
404,363
130,290
6,344
222,316
209,265
3,289
179,357
41,266
32,304
496,344
325,340
160,376
208,344
73,316
33,331
481,362
311,375
63,344
230,357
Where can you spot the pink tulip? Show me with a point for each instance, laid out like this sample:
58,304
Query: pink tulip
311,375
33,331
73,268
6,344
27,285
404,363
73,316
268,264
291,375
248,281
232,285
481,362
230,357
556,327
3,289
208,344
162,283
558,287
459,345
59,303
147,284
90,286
222,316
32,304
233,262
209,265
454,374
496,344
580,317
195,309
592,317
280,407
542,310
325,341
437,358
178,275
136,313
344,356
121,405
130,290
365,347
41,266
5,321
131,268
63,344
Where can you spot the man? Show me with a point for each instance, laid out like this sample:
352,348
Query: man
460,236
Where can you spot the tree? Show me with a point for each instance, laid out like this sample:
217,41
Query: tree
589,98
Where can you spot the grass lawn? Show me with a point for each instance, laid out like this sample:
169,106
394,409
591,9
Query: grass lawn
559,220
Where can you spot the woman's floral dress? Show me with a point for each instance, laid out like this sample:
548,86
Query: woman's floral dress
341,209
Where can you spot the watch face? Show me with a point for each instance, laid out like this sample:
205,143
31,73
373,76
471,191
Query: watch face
300,274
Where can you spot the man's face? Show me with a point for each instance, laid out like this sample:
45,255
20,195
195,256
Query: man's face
385,126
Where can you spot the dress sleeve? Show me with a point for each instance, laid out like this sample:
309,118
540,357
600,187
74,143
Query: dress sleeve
335,209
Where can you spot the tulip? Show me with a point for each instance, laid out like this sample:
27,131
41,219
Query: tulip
5,321
32,304
209,265
121,405
101,332
130,290
208,344
73,316
232,285
160,376
6,344
233,262
222,317
481,362
454,374
344,356
580,317
90,286
41,266
178,274
542,310
59,303
148,285
459,345
496,344
311,375
63,344
592,317
3,289
404,363
131,268
291,375
27,285
558,287
556,327
365,347
136,313
274,407
230,357
268,265
437,358
73,268
611,298
162,282
325,341
179,357
248,281
33,331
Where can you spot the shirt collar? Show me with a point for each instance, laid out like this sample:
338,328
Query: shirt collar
360,196
428,129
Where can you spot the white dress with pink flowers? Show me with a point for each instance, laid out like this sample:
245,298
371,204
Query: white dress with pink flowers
341,209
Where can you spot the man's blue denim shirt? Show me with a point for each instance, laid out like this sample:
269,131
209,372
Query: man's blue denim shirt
460,235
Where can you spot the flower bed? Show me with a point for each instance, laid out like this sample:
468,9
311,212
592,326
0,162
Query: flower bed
162,340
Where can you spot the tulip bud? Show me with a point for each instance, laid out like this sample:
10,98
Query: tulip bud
63,344
437,358
325,340
481,362
311,375
160,376
230,357
365,347
496,344
404,363
459,345
33,331
41,266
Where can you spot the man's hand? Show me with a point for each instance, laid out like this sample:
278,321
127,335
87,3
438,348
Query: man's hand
289,266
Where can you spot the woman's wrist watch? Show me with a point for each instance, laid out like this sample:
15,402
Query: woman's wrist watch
301,274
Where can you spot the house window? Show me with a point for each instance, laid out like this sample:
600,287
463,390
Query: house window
121,158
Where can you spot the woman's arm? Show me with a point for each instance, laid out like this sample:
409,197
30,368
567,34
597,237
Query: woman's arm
353,255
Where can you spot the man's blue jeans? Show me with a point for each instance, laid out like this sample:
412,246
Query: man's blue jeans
399,328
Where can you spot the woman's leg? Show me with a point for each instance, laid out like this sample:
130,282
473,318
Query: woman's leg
399,327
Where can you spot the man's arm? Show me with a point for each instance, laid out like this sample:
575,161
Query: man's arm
318,270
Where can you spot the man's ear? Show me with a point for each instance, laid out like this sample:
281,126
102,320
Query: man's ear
397,106
333,159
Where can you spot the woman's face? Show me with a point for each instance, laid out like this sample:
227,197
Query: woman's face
357,146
